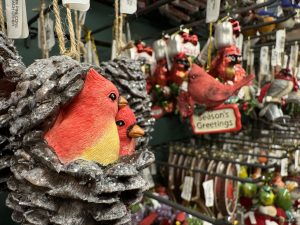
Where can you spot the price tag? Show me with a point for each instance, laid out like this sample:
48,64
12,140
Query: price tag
280,40
186,193
208,187
148,177
246,49
274,57
128,6
264,53
297,159
206,223
294,55
250,58
269,222
285,61
48,34
80,5
212,10
252,218
153,169
284,167
239,42
113,50
184,86
279,10
16,19
203,56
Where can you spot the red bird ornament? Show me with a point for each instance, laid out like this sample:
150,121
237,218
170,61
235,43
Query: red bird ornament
206,90
128,130
86,128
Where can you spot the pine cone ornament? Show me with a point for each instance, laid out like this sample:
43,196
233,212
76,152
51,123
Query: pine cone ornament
42,189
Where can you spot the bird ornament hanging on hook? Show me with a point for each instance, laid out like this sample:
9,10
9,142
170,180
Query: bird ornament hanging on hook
204,99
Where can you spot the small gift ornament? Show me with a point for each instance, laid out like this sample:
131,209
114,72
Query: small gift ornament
143,52
223,34
184,42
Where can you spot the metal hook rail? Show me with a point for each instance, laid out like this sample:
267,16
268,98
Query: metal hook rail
277,21
201,21
213,174
187,210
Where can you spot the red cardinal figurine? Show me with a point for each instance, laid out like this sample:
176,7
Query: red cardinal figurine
128,130
86,128
206,90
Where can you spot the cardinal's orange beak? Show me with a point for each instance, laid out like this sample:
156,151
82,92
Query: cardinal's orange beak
122,102
136,131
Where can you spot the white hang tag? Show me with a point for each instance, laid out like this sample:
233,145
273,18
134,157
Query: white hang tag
280,40
128,6
279,10
80,5
95,58
113,50
274,57
186,193
82,17
245,50
146,174
264,52
184,86
153,169
285,61
212,10
252,218
297,159
16,18
88,58
294,55
50,36
168,58
284,167
250,59
40,33
239,42
206,223
25,30
208,187
269,222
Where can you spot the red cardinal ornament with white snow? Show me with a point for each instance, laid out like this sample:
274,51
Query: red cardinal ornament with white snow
128,130
86,128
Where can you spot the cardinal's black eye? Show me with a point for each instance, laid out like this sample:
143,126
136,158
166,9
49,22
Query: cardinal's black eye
112,96
120,123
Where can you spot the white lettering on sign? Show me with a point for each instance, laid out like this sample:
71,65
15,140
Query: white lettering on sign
217,120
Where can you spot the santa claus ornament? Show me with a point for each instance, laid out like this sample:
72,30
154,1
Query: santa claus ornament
61,138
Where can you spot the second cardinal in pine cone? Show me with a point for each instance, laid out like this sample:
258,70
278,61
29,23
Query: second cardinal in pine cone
206,90
128,130
227,65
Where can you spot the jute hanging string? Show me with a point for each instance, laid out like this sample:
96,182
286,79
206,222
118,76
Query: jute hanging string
72,52
44,46
2,20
